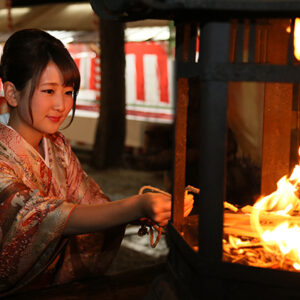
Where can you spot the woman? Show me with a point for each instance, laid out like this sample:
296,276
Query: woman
46,200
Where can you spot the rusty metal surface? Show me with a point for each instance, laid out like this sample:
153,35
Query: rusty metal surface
180,152
181,110
278,115
276,135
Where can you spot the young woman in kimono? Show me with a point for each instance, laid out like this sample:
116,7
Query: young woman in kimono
56,224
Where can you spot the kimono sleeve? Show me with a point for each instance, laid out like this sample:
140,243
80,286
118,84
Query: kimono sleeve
30,226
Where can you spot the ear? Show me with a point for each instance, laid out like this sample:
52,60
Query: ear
10,93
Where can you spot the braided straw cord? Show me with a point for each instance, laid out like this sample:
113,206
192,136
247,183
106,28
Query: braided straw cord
147,222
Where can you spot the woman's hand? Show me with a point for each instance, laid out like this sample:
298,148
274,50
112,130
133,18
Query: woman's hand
188,204
157,206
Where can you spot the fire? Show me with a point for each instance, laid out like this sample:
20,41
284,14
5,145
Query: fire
275,227
297,39
284,239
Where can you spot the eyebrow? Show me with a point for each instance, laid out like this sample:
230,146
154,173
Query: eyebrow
55,84
49,83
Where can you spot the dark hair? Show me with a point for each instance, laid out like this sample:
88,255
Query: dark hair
26,54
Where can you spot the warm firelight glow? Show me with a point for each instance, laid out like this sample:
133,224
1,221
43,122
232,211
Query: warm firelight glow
284,239
297,39
266,234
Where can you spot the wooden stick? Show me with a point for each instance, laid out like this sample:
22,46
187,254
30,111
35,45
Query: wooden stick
240,224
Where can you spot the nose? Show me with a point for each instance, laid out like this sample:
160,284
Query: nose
59,103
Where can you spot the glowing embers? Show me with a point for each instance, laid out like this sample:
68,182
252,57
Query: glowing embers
268,233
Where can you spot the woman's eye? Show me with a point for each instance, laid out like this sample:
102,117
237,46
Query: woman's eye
69,93
48,91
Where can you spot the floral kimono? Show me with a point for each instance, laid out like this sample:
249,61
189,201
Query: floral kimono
36,199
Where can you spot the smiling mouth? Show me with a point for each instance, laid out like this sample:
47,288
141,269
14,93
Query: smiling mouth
54,119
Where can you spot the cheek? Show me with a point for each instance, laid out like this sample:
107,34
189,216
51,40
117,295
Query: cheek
39,108
69,105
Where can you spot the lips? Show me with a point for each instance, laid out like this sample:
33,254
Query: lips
54,119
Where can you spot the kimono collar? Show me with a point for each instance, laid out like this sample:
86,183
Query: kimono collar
16,143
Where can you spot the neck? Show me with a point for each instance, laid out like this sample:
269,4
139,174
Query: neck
33,137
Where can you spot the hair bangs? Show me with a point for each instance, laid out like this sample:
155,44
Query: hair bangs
67,67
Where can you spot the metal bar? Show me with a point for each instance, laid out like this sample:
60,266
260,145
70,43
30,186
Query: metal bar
214,49
246,41
252,41
239,42
276,134
241,72
260,56
180,153
233,28
181,108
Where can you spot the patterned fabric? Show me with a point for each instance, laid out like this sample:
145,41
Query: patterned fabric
35,203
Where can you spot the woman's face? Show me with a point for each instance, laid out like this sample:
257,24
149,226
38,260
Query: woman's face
50,105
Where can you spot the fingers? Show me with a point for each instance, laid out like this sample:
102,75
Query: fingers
188,204
187,211
159,207
163,218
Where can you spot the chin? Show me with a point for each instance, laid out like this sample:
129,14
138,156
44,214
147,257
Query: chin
51,131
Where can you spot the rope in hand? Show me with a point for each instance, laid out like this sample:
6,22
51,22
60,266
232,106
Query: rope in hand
147,222
147,225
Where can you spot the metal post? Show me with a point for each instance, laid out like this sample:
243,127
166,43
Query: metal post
181,109
214,50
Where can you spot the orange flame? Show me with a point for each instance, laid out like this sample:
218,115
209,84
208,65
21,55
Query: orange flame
297,39
284,239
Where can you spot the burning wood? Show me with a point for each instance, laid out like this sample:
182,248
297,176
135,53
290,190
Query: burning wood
267,234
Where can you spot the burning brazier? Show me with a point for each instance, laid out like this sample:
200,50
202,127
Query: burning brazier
246,227
237,77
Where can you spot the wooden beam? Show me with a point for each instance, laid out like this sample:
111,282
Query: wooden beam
23,3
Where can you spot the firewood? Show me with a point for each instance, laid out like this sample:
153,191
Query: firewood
240,224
